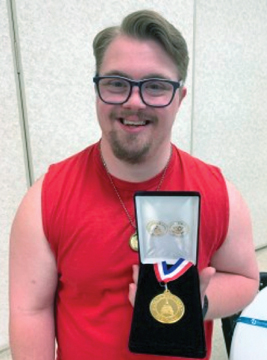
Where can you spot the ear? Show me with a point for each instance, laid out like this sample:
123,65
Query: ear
183,93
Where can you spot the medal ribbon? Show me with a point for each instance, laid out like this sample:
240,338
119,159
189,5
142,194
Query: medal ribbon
165,274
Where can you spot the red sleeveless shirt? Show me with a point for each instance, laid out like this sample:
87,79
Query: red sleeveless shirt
88,231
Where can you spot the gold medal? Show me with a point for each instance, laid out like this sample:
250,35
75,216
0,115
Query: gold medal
178,228
133,242
167,308
156,228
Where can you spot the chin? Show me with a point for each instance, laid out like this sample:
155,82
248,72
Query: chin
130,155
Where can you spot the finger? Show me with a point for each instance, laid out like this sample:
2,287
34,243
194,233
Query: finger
135,273
132,293
133,286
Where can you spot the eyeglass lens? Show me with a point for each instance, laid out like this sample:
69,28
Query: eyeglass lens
154,92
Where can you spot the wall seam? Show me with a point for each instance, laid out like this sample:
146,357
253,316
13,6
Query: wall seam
193,79
21,98
4,349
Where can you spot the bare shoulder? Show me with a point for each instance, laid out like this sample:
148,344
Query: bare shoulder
237,254
27,224
239,215
32,264
32,198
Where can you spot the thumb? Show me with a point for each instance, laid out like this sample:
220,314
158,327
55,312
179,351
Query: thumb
133,285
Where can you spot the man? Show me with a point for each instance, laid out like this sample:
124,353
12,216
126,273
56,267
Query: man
72,246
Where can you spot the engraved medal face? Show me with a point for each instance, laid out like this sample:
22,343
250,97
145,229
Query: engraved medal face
133,242
156,228
178,228
167,308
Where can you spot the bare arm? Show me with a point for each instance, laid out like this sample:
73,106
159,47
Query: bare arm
236,280
33,281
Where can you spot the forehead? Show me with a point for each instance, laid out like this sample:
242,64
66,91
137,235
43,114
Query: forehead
137,59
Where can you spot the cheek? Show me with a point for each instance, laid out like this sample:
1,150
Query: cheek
98,111
101,116
176,102
101,109
168,116
173,111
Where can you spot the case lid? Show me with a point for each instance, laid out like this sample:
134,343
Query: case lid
167,225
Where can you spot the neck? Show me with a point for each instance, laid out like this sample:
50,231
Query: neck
150,167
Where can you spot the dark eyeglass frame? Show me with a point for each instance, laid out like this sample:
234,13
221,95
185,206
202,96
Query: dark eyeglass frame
175,85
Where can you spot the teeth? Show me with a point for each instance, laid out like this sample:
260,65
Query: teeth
134,123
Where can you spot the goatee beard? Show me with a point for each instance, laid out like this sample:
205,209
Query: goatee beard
124,153
130,149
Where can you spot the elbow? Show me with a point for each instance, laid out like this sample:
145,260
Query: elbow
253,288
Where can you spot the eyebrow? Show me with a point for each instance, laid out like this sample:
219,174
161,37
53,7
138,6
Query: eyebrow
148,76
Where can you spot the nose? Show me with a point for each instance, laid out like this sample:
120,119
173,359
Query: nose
135,100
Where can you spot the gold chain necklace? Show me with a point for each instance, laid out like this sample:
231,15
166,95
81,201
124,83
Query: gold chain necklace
133,241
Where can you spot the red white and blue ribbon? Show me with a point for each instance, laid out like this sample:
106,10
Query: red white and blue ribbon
166,274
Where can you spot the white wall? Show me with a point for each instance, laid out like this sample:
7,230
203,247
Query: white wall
12,170
222,120
230,127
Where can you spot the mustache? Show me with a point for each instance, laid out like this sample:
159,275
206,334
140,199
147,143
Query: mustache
139,113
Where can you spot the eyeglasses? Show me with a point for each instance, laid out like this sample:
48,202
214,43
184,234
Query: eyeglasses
116,90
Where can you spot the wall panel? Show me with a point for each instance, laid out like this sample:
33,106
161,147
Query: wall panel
12,170
230,107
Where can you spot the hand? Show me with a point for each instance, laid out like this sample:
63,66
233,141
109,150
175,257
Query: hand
204,278
133,286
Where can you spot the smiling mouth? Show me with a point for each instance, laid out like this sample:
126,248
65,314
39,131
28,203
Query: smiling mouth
134,123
